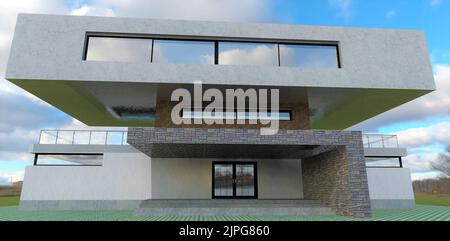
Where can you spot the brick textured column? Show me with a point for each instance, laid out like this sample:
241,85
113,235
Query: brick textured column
326,178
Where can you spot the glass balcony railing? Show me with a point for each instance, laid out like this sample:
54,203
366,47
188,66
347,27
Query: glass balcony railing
107,137
380,141
83,137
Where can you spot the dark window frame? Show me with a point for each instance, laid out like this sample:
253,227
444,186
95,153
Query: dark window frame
336,45
400,161
233,163
215,41
36,156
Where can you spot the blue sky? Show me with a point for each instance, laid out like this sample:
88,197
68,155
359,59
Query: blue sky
423,125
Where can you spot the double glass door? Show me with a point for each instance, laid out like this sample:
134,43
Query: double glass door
234,180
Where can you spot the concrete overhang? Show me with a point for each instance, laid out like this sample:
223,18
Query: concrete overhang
381,69
385,152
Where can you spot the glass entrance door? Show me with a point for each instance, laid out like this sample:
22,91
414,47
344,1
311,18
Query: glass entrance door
234,180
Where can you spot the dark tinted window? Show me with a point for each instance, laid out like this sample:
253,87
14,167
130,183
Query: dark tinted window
240,53
382,162
183,52
294,55
119,49
69,159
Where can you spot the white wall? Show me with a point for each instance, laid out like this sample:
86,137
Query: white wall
134,176
390,188
123,176
390,183
192,178
280,179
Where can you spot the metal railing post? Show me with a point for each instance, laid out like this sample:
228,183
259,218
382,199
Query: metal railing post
106,138
121,143
90,133
73,137
40,136
56,139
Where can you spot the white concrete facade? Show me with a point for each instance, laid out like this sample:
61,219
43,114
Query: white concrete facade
123,176
390,187
133,176
401,54
192,178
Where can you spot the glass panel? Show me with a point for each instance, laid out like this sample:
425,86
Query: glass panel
238,53
241,115
296,55
223,180
382,162
245,180
48,137
114,138
119,49
64,137
282,116
390,141
81,138
374,141
125,136
98,138
183,52
64,160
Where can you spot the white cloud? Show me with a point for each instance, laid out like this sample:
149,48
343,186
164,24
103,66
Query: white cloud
435,2
415,137
260,55
424,175
230,10
92,11
7,177
344,7
391,14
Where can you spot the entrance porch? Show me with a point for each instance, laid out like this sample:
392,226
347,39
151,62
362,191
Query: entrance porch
330,168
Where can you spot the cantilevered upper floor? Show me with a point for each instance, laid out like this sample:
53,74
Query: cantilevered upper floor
115,71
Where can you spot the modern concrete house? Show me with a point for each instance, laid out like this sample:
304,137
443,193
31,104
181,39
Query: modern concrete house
121,72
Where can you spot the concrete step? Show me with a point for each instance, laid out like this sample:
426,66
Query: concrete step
231,207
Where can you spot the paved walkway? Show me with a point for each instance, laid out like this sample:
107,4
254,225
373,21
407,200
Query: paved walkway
420,213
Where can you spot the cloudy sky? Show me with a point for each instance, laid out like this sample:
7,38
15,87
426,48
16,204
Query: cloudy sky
422,125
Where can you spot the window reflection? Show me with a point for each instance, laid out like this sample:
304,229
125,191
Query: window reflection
237,115
293,55
69,159
119,49
183,52
204,52
383,162
239,53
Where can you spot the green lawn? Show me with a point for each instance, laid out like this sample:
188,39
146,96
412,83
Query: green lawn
435,200
9,201
429,208
420,213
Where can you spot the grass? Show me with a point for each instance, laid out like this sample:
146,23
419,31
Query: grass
420,213
9,201
433,199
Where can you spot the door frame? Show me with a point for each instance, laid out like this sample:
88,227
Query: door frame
255,179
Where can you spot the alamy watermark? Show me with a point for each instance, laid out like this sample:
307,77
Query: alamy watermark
234,107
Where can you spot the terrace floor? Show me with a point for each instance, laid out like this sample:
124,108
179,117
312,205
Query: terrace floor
420,213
